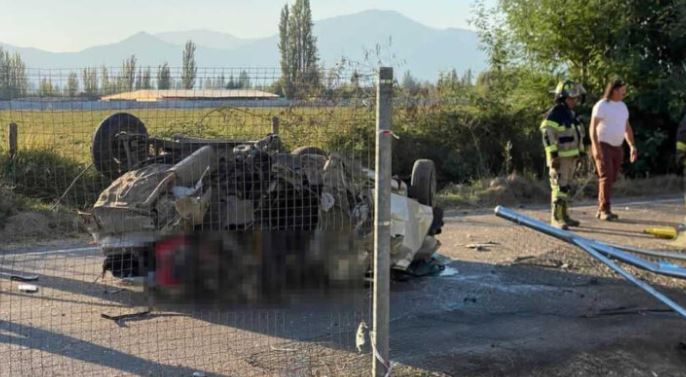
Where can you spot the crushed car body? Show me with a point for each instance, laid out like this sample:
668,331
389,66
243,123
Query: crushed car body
163,188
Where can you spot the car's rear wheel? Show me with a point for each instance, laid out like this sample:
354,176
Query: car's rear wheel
109,153
423,183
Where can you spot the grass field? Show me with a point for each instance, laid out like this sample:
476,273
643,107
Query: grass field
69,133
54,145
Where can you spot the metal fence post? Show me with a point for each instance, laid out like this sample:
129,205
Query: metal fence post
382,222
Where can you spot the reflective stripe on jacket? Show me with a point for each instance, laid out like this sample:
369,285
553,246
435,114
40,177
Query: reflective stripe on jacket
563,134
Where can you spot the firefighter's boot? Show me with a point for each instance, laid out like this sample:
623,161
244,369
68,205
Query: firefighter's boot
566,218
557,216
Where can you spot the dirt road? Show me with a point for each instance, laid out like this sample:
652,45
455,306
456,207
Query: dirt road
525,305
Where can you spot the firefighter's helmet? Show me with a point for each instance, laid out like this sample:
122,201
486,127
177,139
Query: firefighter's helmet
567,89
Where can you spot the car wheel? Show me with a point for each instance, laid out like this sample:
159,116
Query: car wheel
108,154
423,183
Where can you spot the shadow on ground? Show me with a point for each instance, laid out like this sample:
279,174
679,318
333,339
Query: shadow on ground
532,318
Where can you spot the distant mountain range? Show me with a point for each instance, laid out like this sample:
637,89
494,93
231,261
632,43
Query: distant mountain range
405,44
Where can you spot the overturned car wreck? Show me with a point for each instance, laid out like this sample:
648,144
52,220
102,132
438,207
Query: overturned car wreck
256,197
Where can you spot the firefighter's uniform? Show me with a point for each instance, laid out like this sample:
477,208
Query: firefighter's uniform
563,139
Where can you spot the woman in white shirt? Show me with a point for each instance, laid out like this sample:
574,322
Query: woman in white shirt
609,128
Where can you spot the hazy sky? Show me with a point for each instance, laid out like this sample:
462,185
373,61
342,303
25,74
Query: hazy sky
71,25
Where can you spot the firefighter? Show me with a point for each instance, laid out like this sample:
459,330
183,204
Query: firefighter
563,139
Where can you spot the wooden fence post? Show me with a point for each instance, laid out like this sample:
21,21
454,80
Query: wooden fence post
275,125
12,131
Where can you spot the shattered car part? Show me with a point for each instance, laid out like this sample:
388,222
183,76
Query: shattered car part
166,187
121,317
410,222
607,255
18,277
28,288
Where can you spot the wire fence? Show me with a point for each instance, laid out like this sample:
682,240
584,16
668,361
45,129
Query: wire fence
219,224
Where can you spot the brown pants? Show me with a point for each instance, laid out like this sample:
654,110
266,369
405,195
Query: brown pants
607,166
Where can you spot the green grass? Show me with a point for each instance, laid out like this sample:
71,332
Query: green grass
54,145
12,203
69,133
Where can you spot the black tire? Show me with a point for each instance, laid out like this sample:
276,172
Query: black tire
423,184
301,151
109,157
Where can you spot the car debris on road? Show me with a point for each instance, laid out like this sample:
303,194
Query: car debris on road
28,288
609,255
483,246
166,189
18,277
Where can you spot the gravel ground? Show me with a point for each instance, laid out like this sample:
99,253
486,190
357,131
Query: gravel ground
525,305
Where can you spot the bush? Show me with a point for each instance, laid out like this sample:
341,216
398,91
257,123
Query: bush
45,175
10,203
468,144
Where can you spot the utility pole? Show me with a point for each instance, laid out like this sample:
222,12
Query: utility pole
382,223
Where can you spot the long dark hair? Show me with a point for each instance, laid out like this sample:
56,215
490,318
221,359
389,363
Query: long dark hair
611,87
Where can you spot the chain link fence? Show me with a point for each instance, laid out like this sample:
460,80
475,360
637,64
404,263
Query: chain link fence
171,223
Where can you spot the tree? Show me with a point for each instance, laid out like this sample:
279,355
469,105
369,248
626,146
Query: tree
89,77
232,84
105,83
243,80
467,78
534,43
310,55
284,51
127,75
18,82
46,89
448,83
13,80
72,84
139,79
146,80
410,84
220,82
163,77
298,50
217,82
189,70
355,79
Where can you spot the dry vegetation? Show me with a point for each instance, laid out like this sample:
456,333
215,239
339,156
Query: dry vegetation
22,218
518,190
